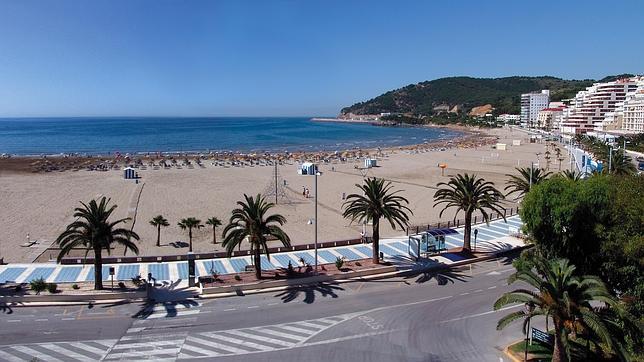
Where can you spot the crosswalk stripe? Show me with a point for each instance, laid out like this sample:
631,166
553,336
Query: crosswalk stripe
165,314
191,348
296,329
34,353
66,352
220,346
280,334
311,325
154,352
248,335
147,344
9,357
90,349
106,342
239,342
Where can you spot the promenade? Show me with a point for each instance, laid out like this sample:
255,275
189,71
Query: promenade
491,238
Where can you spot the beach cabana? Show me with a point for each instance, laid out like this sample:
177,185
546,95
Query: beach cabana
370,162
129,173
428,242
307,168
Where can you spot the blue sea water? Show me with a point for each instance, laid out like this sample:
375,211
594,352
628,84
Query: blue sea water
34,136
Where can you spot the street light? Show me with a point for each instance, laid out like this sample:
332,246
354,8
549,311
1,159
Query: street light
529,307
476,233
314,168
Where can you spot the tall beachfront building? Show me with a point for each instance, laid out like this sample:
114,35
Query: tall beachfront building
590,107
628,116
531,104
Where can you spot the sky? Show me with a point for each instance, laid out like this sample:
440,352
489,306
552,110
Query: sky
290,58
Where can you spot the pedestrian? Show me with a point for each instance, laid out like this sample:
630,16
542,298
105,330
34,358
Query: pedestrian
344,196
303,191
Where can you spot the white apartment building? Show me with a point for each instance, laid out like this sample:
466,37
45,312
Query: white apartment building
590,107
531,104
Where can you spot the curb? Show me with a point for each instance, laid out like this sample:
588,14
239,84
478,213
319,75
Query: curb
509,354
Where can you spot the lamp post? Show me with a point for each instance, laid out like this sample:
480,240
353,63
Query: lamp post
476,233
529,307
315,219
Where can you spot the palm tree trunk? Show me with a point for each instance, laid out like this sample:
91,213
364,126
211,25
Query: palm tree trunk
558,353
467,232
258,264
98,269
190,237
214,235
159,235
376,241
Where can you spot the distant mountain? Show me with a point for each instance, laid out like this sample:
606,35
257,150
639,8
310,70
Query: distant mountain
431,97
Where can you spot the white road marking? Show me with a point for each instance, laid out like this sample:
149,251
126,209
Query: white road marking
238,341
229,309
215,344
34,353
249,335
480,314
66,352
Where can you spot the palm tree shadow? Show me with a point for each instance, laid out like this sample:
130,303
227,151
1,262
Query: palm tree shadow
309,292
507,252
442,277
169,297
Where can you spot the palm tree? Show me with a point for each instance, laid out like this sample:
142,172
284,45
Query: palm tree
621,164
571,175
547,157
556,292
157,222
469,193
251,223
526,178
214,222
93,231
377,201
189,224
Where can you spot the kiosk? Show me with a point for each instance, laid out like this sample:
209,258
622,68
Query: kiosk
428,242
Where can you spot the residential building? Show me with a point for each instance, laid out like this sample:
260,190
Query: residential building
628,116
531,104
591,106
509,118
549,119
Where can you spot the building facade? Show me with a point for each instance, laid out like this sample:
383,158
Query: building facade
628,116
531,104
589,108
549,119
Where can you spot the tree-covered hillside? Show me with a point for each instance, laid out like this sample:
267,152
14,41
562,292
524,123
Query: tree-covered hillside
467,92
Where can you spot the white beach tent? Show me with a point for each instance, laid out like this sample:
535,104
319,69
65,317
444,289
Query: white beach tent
307,168
129,173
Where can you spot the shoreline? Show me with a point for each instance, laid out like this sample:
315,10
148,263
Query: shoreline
468,138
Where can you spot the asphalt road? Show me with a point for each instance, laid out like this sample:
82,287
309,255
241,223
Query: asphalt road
427,317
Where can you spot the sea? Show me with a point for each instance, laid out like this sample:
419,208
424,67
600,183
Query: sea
103,135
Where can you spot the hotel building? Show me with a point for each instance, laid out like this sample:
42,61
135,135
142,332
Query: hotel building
531,104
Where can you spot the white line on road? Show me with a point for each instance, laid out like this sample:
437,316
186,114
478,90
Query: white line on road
41,320
480,314
13,320
492,287
67,319
229,309
253,306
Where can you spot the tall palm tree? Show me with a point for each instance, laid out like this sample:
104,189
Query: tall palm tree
556,292
377,201
159,221
214,222
250,222
571,175
189,224
621,164
526,178
93,231
469,193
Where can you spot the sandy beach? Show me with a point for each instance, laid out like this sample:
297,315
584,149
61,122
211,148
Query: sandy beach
41,203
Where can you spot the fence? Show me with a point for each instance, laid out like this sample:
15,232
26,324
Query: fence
416,229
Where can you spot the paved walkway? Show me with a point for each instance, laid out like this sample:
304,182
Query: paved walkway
492,237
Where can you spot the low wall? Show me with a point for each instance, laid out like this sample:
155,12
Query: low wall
59,298
297,281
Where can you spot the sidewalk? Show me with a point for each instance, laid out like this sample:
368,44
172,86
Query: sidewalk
491,238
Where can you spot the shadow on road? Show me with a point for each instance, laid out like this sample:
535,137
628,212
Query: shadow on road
6,308
442,277
309,292
169,297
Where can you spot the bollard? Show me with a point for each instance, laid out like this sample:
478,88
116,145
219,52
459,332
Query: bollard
458,221
448,224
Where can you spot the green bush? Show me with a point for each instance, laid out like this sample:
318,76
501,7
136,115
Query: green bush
52,288
339,262
38,285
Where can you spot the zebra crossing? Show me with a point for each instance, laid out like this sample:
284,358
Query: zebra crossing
58,351
256,339
139,344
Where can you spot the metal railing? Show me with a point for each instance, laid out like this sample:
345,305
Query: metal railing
418,228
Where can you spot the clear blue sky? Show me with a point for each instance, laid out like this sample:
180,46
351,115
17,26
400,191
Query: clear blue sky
137,57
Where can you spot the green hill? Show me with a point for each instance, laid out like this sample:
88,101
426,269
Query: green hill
467,92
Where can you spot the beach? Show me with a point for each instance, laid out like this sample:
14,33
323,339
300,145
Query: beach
41,203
